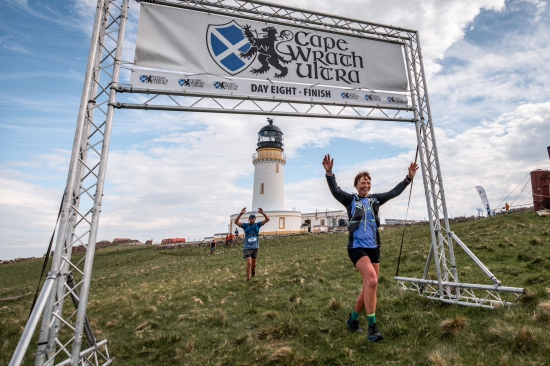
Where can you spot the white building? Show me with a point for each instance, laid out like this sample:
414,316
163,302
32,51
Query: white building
398,221
324,220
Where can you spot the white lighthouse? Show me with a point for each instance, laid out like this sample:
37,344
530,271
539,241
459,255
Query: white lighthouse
269,184
269,169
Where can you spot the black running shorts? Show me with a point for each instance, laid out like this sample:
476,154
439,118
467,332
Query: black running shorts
252,253
357,253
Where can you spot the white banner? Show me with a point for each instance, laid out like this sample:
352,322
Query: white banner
483,196
197,42
236,87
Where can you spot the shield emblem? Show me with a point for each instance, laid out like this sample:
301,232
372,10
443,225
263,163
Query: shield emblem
225,43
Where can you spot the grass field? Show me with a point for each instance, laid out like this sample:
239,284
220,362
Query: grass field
185,307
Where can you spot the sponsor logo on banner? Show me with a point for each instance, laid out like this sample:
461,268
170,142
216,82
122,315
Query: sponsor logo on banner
396,100
373,97
226,44
153,79
234,48
348,95
191,83
224,85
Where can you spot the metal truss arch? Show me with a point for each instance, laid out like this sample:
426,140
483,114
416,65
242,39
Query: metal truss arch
64,331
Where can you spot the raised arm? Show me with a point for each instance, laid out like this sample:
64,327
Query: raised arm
266,219
341,196
237,222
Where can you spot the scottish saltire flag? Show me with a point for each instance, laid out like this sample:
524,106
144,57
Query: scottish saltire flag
225,43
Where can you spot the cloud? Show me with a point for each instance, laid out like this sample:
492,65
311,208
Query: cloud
13,45
47,104
43,12
496,155
440,23
27,216
182,175
492,77
538,7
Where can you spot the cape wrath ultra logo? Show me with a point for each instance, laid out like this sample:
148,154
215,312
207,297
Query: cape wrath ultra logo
234,48
226,43
307,55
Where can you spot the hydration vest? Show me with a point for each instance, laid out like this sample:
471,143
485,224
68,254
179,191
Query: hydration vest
359,213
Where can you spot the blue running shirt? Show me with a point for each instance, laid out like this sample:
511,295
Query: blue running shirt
365,235
251,238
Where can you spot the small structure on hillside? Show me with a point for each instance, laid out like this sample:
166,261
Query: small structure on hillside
173,241
540,184
321,221
398,222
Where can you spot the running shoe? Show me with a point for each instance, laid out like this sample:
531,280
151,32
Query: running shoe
353,325
373,334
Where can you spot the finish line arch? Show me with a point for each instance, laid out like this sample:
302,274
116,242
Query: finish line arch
81,207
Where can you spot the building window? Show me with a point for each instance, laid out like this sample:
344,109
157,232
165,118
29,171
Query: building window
276,168
322,222
281,222
261,188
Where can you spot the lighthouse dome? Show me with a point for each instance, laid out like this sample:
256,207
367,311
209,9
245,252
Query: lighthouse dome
270,136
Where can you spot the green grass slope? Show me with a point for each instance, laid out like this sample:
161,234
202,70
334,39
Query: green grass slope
185,307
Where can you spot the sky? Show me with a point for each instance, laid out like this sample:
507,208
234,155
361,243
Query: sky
183,174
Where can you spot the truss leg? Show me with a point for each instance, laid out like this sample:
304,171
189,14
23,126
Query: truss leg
48,331
410,58
23,344
447,230
446,288
85,185
90,251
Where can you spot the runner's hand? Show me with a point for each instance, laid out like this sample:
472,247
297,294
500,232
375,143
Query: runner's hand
243,211
328,163
412,170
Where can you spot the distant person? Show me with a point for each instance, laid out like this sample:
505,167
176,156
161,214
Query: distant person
227,240
212,246
236,235
364,239
507,206
251,240
231,240
488,211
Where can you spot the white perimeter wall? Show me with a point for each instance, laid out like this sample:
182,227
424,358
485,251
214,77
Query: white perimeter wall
293,221
273,198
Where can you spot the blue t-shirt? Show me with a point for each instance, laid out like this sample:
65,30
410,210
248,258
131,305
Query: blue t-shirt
365,235
251,239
